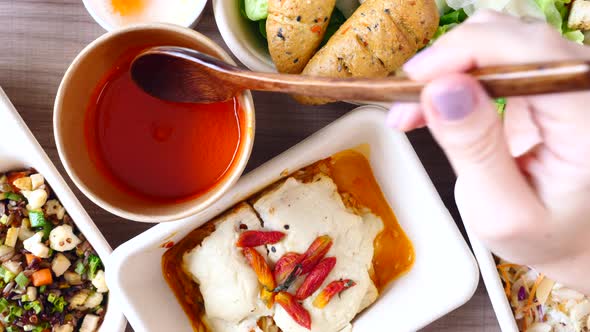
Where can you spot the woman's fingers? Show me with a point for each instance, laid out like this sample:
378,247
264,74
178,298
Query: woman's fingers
494,196
406,117
492,39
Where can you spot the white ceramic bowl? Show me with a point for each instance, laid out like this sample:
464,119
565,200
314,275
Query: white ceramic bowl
22,151
188,22
443,277
241,36
494,286
76,90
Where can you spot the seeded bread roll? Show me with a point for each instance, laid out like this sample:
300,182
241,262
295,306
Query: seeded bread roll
375,41
295,29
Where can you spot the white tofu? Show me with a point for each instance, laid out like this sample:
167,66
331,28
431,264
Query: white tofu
60,265
100,282
35,246
228,284
90,323
32,293
248,325
37,181
311,210
580,15
64,328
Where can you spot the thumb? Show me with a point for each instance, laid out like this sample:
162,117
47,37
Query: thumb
494,197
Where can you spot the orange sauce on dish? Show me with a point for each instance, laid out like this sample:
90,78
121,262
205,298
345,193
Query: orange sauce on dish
394,253
185,289
158,150
127,7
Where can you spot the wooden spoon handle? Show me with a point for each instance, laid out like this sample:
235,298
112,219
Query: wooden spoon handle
499,81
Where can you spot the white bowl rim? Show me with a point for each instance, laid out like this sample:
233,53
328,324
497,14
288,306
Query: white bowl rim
227,183
199,8
493,284
236,45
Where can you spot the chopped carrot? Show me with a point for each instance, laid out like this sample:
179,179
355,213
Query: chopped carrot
316,29
507,287
31,258
528,307
42,278
507,265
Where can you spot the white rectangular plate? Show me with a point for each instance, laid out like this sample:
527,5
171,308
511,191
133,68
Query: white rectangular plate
19,149
443,277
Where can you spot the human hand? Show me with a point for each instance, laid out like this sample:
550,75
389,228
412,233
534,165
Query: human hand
523,184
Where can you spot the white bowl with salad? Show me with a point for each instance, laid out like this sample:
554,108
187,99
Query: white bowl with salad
52,256
242,24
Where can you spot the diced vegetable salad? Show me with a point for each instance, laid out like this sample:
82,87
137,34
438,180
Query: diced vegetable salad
51,278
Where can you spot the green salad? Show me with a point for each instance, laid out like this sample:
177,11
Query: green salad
560,14
555,12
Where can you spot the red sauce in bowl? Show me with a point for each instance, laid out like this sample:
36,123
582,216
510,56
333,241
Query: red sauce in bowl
156,149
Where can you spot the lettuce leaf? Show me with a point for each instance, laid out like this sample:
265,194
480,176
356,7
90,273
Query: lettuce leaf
256,10
448,21
556,13
575,36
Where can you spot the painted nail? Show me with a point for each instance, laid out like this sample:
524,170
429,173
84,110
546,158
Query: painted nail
419,60
454,103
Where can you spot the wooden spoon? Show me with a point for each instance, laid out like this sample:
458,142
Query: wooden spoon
184,75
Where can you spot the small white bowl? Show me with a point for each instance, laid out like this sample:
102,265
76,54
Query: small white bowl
99,16
23,151
75,92
241,36
444,275
493,283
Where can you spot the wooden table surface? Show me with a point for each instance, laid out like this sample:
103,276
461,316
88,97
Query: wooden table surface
39,39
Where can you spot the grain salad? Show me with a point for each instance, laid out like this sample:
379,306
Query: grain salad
51,277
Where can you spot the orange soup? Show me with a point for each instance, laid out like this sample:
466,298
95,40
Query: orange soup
156,149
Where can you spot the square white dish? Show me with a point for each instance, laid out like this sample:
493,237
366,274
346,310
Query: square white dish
444,275
23,151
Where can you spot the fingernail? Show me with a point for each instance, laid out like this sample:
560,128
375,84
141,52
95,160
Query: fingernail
454,103
397,114
418,60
